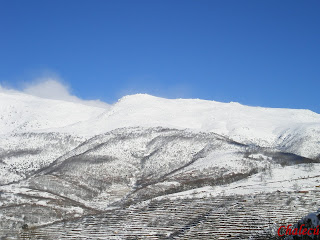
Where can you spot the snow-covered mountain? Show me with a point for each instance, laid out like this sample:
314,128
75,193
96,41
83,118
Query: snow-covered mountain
287,129
61,160
20,113
296,131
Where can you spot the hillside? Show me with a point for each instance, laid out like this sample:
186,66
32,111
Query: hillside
62,161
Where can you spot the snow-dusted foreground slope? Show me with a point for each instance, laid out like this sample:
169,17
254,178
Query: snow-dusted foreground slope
62,160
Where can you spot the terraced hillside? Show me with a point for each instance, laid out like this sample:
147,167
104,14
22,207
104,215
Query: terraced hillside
129,166
225,217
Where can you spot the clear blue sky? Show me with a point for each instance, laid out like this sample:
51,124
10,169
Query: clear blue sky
256,52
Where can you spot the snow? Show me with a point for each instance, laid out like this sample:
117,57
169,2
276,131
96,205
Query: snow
36,133
26,113
267,127
230,119
304,177
259,156
287,129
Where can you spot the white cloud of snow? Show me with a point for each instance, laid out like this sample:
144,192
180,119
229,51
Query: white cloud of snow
53,88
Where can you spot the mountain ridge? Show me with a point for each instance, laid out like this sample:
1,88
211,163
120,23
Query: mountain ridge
285,129
61,161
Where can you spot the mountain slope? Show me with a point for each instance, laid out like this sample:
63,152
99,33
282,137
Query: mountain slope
296,131
131,165
25,113
61,161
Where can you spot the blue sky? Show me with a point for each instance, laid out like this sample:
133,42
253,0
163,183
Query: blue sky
264,53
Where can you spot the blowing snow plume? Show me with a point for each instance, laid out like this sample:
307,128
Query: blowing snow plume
52,88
